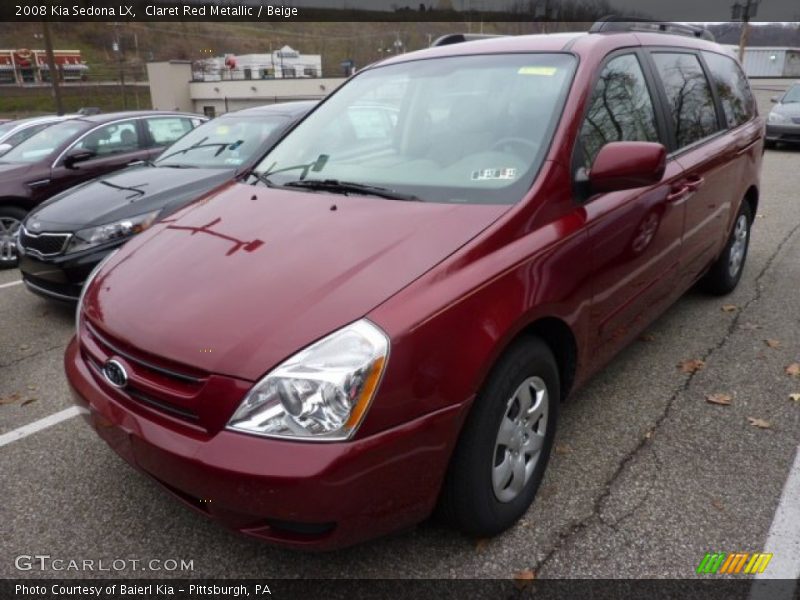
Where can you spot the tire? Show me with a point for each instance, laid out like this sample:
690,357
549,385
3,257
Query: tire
724,275
10,219
475,498
771,144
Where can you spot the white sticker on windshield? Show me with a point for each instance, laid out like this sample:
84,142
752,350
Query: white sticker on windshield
491,174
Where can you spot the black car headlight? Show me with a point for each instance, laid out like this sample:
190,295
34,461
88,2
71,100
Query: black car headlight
118,230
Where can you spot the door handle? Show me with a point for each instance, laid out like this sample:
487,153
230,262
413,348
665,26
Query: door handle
678,194
694,183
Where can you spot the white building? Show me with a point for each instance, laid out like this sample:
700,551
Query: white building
762,61
174,86
286,63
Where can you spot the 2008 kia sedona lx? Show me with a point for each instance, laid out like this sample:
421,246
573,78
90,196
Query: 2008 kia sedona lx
382,318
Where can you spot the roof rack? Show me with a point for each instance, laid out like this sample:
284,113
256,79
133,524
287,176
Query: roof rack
615,23
458,38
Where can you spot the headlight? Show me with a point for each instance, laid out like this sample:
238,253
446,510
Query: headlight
776,117
94,236
86,284
322,392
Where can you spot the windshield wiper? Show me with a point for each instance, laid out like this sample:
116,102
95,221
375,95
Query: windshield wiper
343,187
124,188
222,146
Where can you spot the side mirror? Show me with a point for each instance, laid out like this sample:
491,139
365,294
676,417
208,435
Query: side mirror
77,155
5,148
775,99
626,165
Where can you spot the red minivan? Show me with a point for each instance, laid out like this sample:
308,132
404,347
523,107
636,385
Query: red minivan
382,318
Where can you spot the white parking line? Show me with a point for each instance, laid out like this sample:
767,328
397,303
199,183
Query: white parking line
26,430
783,541
5,285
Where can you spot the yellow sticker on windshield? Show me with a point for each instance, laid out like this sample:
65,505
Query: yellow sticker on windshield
543,71
222,129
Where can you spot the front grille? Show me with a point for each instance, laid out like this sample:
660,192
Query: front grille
155,386
43,244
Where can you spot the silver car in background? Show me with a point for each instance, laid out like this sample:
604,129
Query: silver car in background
783,122
16,132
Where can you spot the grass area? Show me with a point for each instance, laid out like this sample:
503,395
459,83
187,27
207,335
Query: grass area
23,102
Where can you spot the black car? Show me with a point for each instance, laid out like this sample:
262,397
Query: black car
75,150
60,242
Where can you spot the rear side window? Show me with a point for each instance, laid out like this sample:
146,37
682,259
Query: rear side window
621,109
165,130
689,98
732,88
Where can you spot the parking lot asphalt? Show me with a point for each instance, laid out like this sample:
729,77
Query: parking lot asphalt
647,475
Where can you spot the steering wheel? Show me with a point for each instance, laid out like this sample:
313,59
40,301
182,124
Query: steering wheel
516,141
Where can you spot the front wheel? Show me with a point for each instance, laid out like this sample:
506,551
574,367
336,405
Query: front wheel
10,220
502,453
725,273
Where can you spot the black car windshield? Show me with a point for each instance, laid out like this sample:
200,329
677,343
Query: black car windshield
793,95
46,142
469,129
225,142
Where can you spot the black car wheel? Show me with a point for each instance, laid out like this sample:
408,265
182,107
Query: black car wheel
505,445
10,220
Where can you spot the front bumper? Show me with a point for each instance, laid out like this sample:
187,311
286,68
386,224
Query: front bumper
788,133
317,496
60,277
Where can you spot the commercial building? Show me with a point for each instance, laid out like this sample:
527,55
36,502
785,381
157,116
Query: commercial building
760,61
286,63
23,66
174,87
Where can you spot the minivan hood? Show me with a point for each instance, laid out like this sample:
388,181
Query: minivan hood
237,282
109,199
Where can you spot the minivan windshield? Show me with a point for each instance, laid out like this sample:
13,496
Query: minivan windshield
467,129
46,142
225,142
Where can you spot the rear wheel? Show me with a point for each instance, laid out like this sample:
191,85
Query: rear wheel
10,220
503,451
724,275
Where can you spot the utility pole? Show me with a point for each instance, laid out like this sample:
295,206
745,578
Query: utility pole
116,47
51,65
744,12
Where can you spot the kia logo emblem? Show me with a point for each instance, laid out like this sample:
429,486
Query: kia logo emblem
115,374
36,226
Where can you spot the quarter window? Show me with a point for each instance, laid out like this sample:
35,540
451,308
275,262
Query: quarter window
621,109
689,98
732,88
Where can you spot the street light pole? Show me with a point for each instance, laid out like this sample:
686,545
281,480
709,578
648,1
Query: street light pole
51,65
